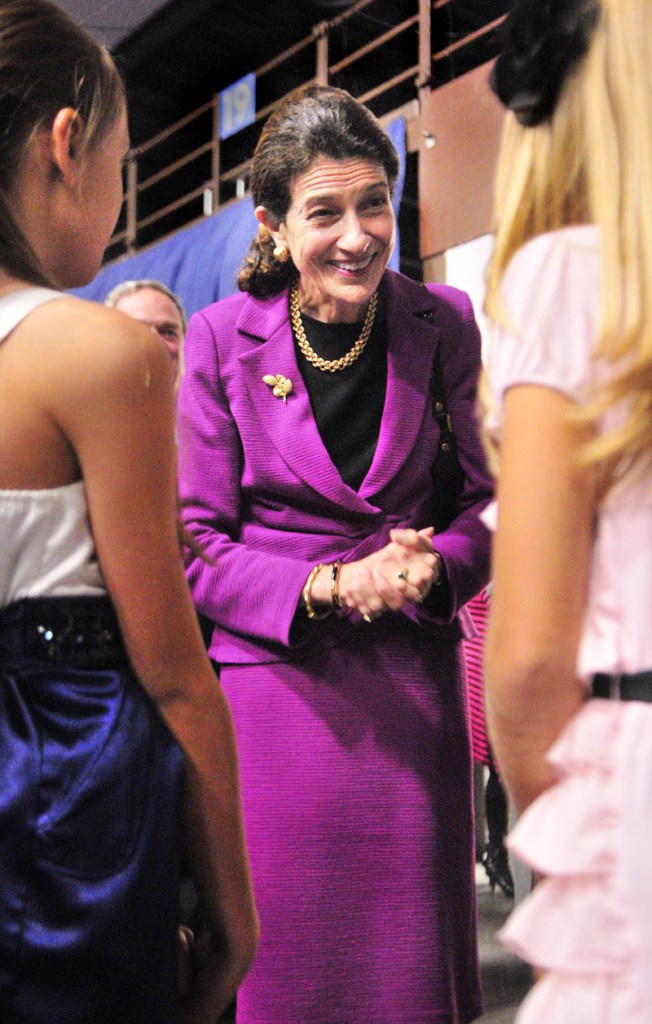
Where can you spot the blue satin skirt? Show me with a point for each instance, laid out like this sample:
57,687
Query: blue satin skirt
90,810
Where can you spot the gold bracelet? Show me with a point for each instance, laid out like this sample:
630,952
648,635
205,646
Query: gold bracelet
335,583
307,596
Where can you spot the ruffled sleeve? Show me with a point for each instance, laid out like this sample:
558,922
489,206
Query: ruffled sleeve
551,300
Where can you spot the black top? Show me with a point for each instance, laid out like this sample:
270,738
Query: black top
348,404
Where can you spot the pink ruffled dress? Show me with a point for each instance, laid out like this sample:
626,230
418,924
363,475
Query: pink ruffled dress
588,926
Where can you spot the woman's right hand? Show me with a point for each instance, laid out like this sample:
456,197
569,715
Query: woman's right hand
218,958
401,572
210,983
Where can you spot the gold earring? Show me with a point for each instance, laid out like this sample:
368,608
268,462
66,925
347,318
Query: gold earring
281,252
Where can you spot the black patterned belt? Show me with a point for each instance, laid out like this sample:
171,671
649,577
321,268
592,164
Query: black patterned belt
81,632
634,686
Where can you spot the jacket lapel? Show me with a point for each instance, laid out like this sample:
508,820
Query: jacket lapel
290,424
412,342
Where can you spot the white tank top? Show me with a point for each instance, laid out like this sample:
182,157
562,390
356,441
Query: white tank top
46,546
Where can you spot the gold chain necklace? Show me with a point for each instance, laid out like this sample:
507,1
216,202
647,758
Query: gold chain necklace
329,365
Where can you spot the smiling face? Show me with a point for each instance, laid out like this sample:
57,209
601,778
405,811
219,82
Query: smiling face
340,231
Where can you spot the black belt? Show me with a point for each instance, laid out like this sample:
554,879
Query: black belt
80,632
637,686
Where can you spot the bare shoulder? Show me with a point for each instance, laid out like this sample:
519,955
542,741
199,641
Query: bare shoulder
86,343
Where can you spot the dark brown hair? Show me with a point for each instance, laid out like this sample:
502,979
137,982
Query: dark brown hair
47,63
316,120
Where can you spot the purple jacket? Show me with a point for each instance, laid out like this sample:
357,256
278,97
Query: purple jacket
261,494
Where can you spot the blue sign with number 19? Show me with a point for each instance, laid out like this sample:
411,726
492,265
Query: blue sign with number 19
238,106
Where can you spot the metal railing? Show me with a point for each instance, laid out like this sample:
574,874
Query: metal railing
384,65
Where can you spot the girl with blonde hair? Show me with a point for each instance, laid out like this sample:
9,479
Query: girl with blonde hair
569,649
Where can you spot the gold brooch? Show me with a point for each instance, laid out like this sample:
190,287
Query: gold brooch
281,386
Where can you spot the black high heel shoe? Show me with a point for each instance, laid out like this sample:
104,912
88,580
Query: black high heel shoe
496,865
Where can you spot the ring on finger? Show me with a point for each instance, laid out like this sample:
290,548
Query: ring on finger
403,575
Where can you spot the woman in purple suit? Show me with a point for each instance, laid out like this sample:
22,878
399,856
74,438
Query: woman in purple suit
307,435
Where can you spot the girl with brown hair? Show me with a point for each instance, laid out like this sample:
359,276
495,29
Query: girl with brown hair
113,729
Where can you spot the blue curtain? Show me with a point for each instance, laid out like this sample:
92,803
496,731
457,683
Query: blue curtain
201,263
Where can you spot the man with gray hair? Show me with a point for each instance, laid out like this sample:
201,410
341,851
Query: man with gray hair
156,305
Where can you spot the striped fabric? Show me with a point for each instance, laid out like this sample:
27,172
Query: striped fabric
478,608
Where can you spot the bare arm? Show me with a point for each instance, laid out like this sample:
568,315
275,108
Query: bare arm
112,398
541,566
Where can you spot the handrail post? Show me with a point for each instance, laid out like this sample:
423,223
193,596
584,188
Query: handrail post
320,33
215,154
132,204
425,44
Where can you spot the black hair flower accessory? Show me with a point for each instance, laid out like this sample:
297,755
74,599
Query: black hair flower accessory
542,42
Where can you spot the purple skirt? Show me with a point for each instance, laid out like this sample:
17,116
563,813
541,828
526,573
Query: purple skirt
90,801
356,777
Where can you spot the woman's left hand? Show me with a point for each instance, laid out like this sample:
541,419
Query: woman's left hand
207,986
410,569
400,573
